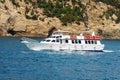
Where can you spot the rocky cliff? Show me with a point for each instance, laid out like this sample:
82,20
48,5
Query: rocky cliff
31,18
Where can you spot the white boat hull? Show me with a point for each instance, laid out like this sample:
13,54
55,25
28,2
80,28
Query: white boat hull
46,46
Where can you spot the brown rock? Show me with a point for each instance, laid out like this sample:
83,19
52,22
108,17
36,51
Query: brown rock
13,18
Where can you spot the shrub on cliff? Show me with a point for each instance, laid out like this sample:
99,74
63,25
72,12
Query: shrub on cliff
115,3
109,13
65,13
2,1
14,3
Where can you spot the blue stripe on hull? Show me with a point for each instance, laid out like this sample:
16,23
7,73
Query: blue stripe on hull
94,50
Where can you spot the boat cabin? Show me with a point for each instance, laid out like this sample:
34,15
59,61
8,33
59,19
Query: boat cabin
60,38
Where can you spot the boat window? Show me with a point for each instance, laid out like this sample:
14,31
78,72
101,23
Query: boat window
85,42
47,40
95,42
92,42
73,41
89,42
53,40
79,41
44,40
57,36
52,36
76,41
66,41
60,41
57,40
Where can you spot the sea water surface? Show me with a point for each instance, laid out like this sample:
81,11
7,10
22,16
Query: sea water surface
17,62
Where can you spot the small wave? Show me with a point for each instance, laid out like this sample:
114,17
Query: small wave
64,52
88,53
25,52
67,52
57,52
108,51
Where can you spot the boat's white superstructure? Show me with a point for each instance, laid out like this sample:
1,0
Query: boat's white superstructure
60,41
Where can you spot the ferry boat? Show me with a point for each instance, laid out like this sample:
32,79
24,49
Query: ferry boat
62,41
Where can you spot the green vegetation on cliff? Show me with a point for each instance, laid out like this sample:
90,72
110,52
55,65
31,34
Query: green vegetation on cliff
2,1
14,3
65,12
61,9
115,3
110,12
71,12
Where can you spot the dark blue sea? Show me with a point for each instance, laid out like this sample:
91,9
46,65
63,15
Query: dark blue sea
17,62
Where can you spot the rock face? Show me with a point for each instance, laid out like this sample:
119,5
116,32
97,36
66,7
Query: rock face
14,18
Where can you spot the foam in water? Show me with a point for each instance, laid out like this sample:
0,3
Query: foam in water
25,51
68,52
108,51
